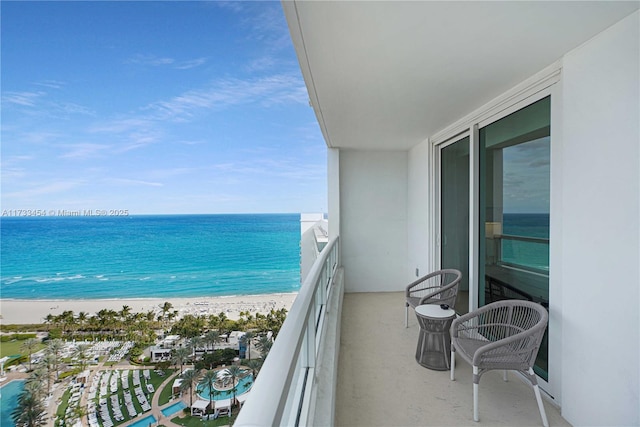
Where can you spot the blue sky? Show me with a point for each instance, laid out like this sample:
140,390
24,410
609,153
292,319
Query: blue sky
156,107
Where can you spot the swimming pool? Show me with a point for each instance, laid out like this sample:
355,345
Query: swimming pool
176,407
145,422
9,401
244,384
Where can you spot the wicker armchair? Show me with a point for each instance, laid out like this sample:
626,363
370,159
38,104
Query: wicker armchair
502,335
439,287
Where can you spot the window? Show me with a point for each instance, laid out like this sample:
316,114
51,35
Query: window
514,210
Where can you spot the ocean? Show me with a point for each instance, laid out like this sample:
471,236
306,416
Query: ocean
149,256
533,254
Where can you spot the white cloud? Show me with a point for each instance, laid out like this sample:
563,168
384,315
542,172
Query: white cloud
69,108
159,61
261,64
185,65
84,150
270,90
27,99
52,84
150,60
289,169
134,182
40,189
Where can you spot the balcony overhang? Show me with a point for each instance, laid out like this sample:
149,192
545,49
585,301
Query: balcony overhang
387,75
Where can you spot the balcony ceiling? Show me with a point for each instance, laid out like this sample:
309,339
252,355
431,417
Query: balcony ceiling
387,75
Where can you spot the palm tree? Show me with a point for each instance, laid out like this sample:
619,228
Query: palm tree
207,381
246,340
234,373
212,338
222,319
196,343
124,313
180,355
82,318
105,318
81,354
50,319
275,319
54,349
189,380
67,320
35,382
93,325
49,361
264,345
166,307
172,315
28,345
33,387
29,411
254,366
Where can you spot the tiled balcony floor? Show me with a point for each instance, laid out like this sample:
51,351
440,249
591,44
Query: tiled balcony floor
380,383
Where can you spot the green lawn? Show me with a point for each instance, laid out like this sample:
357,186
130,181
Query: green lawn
165,393
13,347
156,379
62,408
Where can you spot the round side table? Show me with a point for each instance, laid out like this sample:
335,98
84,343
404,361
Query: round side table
434,341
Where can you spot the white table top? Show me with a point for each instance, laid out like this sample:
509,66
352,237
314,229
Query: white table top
434,311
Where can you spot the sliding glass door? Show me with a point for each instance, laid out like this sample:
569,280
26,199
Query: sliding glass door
454,232
514,192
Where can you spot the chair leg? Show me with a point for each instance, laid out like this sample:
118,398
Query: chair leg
543,413
453,364
504,376
476,417
406,315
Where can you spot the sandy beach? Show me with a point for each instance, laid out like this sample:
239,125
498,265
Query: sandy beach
14,311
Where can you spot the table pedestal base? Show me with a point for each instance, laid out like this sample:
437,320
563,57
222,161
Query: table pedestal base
434,350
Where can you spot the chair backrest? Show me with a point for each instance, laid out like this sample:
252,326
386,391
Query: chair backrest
438,287
520,323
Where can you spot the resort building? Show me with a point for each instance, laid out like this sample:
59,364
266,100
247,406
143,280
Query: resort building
314,236
447,125
160,354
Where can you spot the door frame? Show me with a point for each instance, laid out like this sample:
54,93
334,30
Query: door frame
545,83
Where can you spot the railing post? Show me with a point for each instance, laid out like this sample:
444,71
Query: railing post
310,345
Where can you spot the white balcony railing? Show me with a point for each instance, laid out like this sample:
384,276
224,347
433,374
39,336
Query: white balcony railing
286,389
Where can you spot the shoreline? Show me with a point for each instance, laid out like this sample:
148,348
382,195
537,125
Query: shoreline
34,311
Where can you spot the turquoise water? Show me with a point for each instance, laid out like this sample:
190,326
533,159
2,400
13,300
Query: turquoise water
176,407
145,422
9,400
149,256
525,253
244,384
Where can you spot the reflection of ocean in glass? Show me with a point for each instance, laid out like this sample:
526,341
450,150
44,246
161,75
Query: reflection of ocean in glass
526,253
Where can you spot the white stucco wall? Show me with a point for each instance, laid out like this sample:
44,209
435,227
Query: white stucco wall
333,191
419,213
373,220
600,250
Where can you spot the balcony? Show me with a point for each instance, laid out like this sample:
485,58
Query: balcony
380,383
376,380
